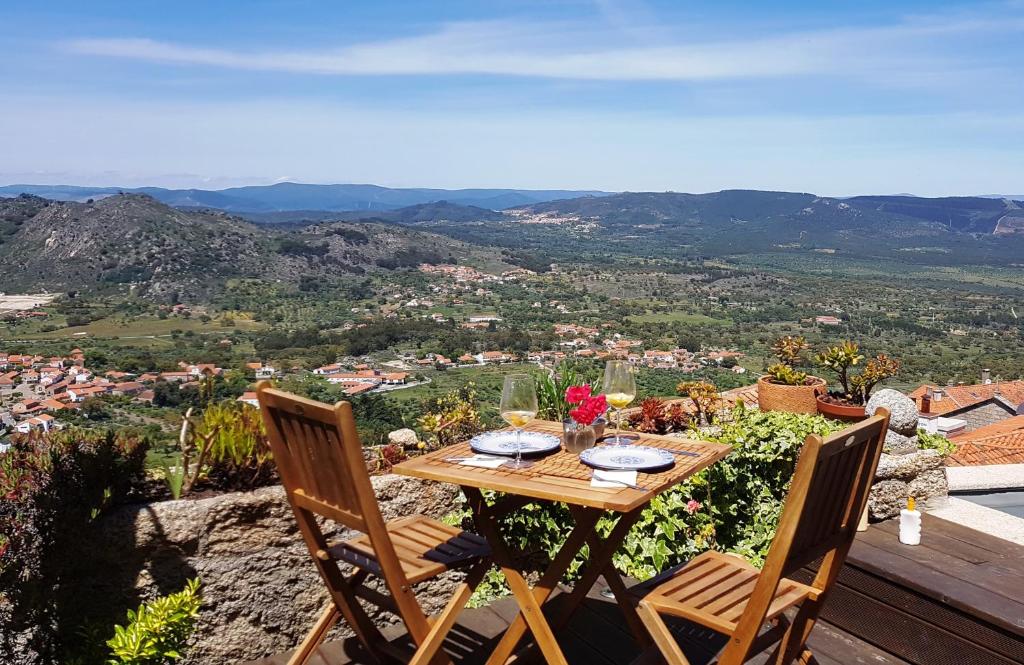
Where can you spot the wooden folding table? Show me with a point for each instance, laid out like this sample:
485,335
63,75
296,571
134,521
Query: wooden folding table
561,478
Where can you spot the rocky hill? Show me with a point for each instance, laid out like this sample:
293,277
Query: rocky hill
131,242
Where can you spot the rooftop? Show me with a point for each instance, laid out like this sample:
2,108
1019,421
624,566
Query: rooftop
957,397
998,443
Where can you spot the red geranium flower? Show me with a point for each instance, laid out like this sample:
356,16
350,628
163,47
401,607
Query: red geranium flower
576,394
589,410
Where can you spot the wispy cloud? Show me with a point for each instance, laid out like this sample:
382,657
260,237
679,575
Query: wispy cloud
915,47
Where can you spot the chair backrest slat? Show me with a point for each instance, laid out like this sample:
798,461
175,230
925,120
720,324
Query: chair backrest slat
840,477
319,457
819,519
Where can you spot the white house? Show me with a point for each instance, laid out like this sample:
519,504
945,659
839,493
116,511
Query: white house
43,422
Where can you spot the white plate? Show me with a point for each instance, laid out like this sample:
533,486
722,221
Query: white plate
627,458
504,443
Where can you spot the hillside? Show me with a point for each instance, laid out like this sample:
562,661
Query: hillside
133,242
732,223
290,196
964,214
436,212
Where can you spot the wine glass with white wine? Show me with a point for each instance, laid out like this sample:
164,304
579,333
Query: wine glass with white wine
619,390
518,408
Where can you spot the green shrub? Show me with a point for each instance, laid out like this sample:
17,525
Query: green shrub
157,632
239,457
52,486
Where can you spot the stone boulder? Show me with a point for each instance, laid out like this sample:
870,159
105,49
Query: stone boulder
907,467
897,444
403,437
920,475
902,410
261,592
929,484
887,498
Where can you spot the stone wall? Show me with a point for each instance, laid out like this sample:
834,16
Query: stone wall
986,413
904,469
261,592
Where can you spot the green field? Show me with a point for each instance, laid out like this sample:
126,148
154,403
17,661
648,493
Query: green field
678,317
488,379
142,327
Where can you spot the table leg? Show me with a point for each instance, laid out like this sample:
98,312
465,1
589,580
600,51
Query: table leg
600,562
530,600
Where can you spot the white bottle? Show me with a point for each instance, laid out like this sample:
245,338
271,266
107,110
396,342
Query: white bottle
910,524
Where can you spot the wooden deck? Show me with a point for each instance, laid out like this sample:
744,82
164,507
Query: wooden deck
596,636
956,599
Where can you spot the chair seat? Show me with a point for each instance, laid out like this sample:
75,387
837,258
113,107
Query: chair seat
713,589
425,548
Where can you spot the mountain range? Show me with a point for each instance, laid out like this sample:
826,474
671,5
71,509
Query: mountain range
291,196
132,241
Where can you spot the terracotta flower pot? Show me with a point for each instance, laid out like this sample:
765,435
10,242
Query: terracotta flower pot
849,413
794,399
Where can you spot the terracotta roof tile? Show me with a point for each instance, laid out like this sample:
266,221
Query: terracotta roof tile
999,443
957,397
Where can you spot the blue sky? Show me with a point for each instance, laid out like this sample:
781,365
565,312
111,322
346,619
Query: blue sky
832,98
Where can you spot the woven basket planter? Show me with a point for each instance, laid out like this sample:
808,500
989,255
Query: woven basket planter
794,399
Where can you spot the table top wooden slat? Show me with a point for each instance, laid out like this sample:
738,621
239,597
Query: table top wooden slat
562,477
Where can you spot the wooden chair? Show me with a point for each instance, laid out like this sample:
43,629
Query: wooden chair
320,460
819,521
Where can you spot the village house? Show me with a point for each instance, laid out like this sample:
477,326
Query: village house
43,422
130,388
81,393
368,377
572,329
27,407
975,405
659,359
719,356
260,371
7,383
494,357
51,404
175,377
828,320
249,397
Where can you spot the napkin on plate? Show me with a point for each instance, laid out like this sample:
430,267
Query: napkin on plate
484,461
602,478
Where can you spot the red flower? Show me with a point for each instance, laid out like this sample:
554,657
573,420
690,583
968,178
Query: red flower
576,394
589,410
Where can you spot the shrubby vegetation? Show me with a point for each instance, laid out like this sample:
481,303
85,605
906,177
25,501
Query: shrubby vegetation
157,632
53,486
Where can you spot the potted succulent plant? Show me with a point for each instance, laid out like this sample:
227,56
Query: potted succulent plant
848,403
784,387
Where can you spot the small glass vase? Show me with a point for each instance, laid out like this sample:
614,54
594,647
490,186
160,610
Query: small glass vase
576,438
